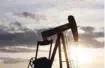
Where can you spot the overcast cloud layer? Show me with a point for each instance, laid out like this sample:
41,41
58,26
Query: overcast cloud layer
22,21
33,16
86,12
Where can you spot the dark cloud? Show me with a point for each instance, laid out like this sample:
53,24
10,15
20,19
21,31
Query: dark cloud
93,35
90,32
26,14
98,34
88,29
16,33
13,27
30,38
34,16
19,38
89,37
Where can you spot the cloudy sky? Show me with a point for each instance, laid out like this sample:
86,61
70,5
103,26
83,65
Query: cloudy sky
33,16
18,16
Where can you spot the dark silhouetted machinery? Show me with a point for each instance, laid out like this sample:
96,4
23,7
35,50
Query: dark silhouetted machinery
44,62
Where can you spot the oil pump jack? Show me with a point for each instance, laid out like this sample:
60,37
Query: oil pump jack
44,62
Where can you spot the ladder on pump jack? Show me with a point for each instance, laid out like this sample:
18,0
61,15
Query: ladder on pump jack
43,62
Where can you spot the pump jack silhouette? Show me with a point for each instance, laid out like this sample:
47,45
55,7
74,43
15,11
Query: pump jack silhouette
43,62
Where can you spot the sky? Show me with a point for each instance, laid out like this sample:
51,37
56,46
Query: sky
22,22
33,16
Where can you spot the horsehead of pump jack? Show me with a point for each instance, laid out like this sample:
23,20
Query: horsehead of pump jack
71,25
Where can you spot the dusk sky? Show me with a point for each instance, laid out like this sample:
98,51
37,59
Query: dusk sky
30,17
